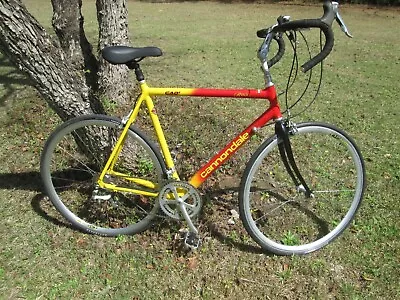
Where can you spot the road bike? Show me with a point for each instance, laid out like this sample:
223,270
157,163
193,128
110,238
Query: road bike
300,189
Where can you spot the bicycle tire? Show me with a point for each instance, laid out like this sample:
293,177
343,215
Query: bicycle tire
277,215
69,173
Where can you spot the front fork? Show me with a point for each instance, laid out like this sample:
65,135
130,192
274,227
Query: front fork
283,129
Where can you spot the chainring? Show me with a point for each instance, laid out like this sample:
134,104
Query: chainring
174,193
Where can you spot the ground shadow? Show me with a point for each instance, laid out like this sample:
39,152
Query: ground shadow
322,224
217,232
39,202
31,181
11,79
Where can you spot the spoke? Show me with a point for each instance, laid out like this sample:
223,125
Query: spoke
63,187
71,179
67,179
98,162
333,191
78,160
142,209
265,215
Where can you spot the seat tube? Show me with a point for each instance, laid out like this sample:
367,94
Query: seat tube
161,137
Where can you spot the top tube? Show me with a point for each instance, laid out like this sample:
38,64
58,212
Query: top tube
268,93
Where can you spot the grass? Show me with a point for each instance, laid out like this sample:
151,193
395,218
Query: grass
210,44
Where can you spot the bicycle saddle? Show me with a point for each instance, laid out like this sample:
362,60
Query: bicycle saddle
124,54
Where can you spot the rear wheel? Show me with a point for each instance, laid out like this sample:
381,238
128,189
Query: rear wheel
278,215
71,162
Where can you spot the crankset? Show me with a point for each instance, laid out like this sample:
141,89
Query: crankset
181,201
176,195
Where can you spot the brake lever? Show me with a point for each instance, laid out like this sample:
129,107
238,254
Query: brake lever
342,25
339,19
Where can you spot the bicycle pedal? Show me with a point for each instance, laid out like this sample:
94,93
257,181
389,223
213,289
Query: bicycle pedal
192,240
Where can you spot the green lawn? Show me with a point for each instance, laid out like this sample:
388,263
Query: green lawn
209,44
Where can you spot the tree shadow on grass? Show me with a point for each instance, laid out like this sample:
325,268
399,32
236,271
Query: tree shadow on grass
28,181
11,79
31,181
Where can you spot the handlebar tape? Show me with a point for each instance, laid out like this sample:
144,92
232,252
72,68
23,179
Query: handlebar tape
311,23
262,33
281,51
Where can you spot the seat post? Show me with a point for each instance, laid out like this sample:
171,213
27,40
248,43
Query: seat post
134,65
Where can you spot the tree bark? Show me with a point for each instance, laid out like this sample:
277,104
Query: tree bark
29,46
66,72
113,30
68,25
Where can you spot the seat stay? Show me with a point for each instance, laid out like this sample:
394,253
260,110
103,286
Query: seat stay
113,158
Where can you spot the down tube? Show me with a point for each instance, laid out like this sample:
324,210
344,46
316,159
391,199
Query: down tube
222,156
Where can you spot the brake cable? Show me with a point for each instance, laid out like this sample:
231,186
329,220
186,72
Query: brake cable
294,72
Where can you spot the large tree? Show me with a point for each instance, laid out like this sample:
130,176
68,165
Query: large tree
67,72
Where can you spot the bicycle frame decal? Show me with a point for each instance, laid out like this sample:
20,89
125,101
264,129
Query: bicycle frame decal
230,149
214,163
268,93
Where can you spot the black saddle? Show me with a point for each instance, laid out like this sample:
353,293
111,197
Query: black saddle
124,54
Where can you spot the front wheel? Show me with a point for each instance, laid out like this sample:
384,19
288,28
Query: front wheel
71,162
278,215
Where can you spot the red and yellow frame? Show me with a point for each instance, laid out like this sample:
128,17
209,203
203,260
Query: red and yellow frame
272,112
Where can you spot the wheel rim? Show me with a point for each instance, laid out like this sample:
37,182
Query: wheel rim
107,213
290,241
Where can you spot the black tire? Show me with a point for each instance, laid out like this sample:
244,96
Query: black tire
279,217
72,159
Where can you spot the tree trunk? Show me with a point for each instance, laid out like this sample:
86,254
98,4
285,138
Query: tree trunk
28,45
66,72
68,25
113,30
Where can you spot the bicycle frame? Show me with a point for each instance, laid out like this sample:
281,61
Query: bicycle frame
273,112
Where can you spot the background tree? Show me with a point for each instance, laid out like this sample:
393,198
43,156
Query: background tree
66,70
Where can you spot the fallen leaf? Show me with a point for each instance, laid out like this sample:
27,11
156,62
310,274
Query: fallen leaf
235,214
81,242
192,263
285,267
180,259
